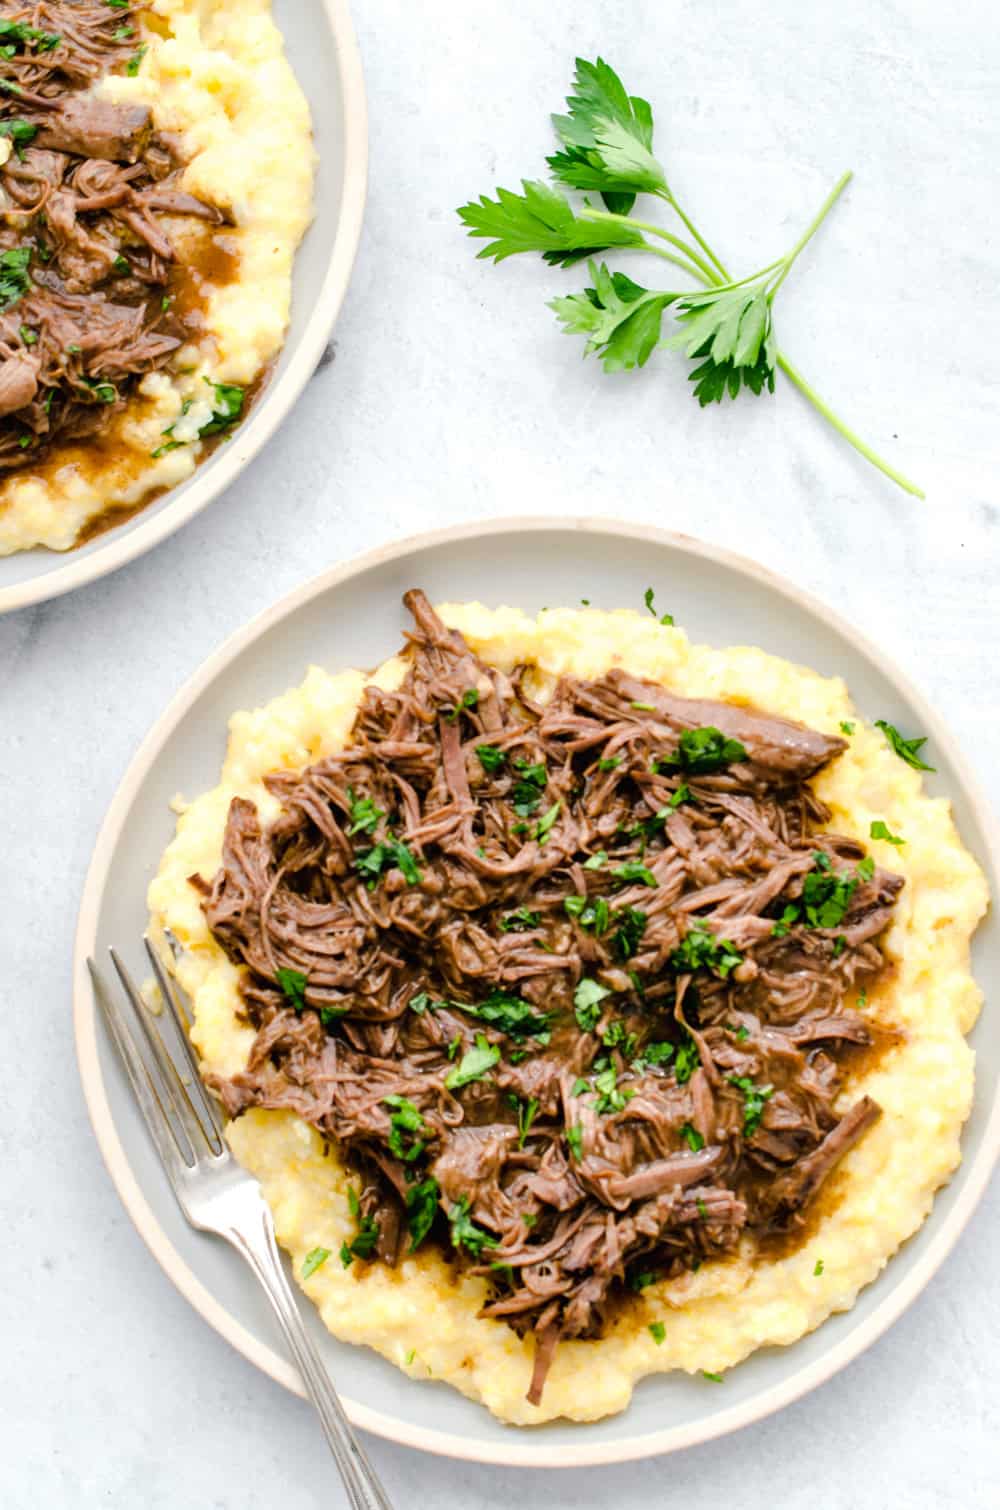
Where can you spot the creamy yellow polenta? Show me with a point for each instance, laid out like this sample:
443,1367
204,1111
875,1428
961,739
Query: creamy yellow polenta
422,1316
214,72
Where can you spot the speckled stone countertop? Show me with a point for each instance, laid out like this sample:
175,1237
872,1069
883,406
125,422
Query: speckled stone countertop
452,396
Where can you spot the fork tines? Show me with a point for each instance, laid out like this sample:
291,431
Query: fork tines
182,1117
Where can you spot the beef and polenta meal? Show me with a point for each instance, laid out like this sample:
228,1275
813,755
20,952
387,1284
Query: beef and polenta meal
155,179
588,1003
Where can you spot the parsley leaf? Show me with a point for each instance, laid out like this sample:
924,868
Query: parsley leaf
608,137
687,1060
587,1000
647,598
574,1137
20,133
520,921
464,1232
475,1063
632,870
701,751
754,1098
906,749
594,915
370,863
421,1209
846,726
817,1271
314,1259
228,408
546,821
365,816
508,1014
692,1138
620,319
880,830
491,757
363,1243
15,280
826,896
405,1126
631,927
658,1332
540,220
700,949
293,984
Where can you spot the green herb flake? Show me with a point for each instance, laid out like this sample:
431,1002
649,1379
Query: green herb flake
647,598
633,872
475,1063
574,1137
491,758
846,727
712,1378
881,830
520,921
700,949
597,861
365,816
587,1000
464,1232
658,1332
421,1209
405,1126
754,1099
293,984
906,749
817,1271
692,1138
609,762
314,1259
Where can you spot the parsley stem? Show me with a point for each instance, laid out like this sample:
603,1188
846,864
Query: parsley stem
656,230
866,451
811,229
791,372
668,196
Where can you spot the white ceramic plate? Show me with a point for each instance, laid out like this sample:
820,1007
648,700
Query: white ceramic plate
352,616
322,48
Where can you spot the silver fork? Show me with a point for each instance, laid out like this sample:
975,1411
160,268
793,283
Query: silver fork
215,1194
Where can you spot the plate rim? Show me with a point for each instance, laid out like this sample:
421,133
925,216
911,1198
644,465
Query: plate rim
519,1450
282,395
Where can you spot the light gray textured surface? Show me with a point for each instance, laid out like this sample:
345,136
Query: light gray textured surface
452,396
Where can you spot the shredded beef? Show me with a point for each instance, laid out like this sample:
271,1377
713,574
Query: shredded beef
86,306
566,983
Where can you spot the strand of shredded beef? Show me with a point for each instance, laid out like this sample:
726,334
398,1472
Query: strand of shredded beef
86,261
646,959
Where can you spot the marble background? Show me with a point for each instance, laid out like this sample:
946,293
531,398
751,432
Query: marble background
452,396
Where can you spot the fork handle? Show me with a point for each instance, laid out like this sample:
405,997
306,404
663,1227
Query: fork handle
258,1246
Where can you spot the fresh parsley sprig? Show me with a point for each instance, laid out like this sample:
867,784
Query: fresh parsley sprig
726,326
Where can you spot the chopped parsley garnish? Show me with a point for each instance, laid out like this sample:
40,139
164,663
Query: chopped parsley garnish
14,33
15,280
596,862
643,1280
520,921
475,1063
527,1111
574,1137
817,1271
687,1060
880,830
700,949
421,1209
643,707
610,1098
454,1046
692,1138
846,727
595,915
754,1098
865,869
314,1259
365,816
293,984
631,923
826,896
370,863
790,915
405,1126
546,821
906,749
657,1331
464,1232
28,336
508,1014
701,751
526,793
702,1209
467,701
135,61
580,1086
609,763
587,1000
634,871
228,407
682,794
658,1053
363,1243
410,1356
419,1003
20,133
491,757
647,598
712,1378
